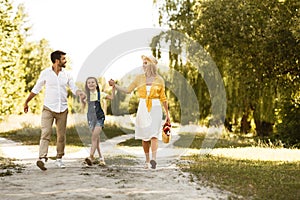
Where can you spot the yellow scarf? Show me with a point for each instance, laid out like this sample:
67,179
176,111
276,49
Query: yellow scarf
157,90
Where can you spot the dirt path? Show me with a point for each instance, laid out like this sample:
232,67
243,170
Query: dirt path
123,178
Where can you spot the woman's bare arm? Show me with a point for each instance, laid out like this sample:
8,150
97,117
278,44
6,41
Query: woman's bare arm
165,105
112,96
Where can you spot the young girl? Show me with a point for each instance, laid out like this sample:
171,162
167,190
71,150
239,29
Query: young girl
95,116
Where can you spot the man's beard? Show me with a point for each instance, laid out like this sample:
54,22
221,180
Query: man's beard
63,65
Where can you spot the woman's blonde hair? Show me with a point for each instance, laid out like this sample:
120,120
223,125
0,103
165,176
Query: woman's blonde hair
151,69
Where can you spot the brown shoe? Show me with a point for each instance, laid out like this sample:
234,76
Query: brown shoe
88,161
41,165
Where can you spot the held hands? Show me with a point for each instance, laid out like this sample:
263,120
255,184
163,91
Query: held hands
81,95
111,82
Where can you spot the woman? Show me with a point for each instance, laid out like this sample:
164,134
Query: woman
151,90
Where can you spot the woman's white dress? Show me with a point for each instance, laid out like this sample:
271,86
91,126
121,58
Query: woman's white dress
148,124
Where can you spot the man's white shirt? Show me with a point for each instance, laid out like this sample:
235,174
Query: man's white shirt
56,88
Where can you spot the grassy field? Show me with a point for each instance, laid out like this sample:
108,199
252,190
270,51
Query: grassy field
76,135
131,143
251,179
248,178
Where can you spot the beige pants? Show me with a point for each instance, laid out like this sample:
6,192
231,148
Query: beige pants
46,122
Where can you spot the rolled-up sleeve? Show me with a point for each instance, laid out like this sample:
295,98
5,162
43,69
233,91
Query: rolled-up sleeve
161,91
40,83
71,84
162,95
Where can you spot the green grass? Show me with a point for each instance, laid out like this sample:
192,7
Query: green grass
250,179
189,140
76,135
131,143
8,167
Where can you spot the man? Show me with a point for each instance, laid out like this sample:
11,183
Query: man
56,80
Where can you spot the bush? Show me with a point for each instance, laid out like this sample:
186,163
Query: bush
288,130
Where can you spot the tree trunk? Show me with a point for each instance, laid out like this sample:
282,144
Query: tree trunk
263,128
245,124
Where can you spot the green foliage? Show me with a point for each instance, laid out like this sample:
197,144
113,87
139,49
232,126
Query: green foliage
21,61
124,104
255,45
187,77
288,129
35,58
12,37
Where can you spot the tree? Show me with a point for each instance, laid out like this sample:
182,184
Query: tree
35,58
254,44
12,37
21,61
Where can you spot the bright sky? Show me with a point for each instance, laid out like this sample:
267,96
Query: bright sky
78,27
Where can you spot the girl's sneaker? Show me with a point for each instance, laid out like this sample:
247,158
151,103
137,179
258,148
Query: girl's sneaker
102,162
147,165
